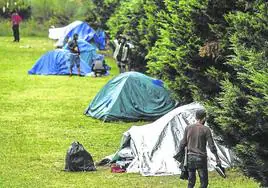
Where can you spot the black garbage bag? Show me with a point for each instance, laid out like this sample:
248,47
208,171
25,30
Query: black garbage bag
78,159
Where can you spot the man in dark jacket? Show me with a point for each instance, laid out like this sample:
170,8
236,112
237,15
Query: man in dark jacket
195,138
75,53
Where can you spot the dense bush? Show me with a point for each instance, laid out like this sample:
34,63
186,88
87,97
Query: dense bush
138,21
8,6
101,12
240,112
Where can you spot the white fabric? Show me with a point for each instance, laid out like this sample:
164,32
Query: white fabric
125,49
155,144
60,33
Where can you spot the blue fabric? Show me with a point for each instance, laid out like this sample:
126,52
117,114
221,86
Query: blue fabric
98,57
158,82
87,51
99,39
57,62
85,32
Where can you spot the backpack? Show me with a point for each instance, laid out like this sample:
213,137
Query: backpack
78,159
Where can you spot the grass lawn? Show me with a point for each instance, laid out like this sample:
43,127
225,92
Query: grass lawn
40,116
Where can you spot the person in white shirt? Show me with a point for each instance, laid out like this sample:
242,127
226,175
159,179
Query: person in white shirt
121,53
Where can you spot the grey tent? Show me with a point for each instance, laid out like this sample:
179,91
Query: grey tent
151,147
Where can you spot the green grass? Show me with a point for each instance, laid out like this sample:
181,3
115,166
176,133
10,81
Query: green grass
27,28
40,116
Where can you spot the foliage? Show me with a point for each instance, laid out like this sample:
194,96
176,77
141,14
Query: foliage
40,116
199,61
27,28
136,19
241,110
170,58
8,6
102,11
60,12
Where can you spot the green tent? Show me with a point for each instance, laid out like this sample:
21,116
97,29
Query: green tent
131,96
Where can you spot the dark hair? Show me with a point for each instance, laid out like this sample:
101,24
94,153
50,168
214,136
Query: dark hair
200,114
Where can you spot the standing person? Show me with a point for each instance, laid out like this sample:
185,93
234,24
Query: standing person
195,138
121,53
75,53
16,19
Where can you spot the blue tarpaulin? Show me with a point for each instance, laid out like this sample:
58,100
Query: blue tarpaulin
88,34
84,31
87,51
57,62
99,39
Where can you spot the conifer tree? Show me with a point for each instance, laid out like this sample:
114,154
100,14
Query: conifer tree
240,112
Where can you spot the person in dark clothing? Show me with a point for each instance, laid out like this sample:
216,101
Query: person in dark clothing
195,138
75,53
16,19
99,67
122,52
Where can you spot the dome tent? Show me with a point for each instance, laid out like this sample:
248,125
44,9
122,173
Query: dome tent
131,96
150,148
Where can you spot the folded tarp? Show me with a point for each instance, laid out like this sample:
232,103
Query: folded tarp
131,96
151,147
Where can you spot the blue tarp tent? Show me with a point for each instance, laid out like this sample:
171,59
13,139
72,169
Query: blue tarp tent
84,31
131,96
99,39
57,62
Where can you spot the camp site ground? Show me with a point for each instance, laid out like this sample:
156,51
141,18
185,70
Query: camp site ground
40,116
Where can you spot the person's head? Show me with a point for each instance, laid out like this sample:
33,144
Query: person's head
15,11
200,116
75,36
